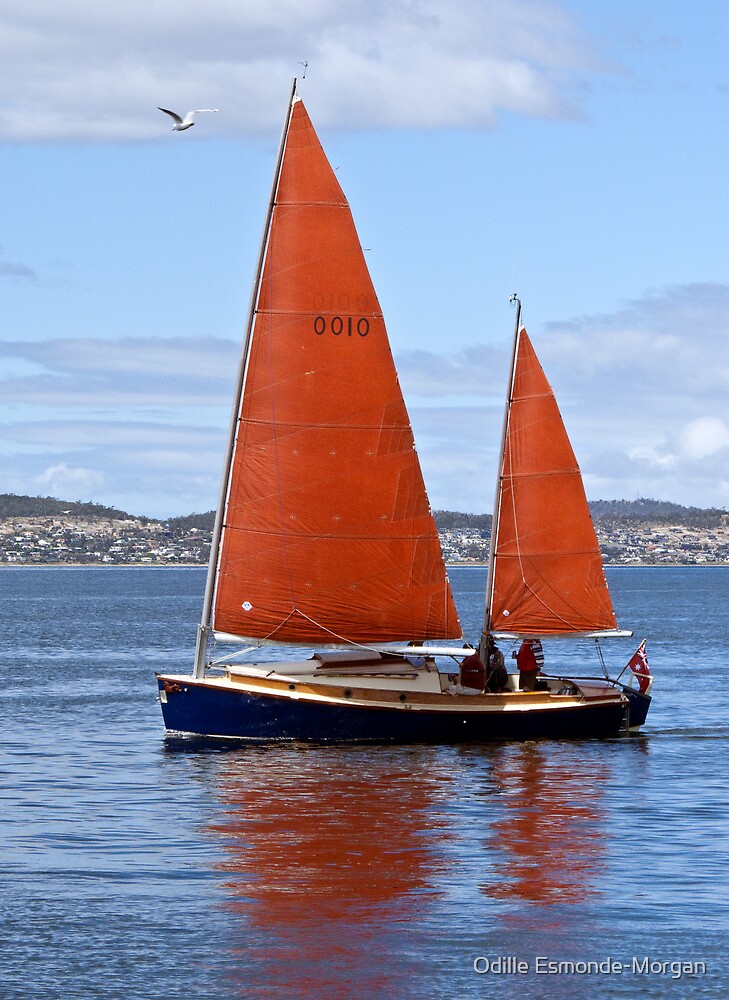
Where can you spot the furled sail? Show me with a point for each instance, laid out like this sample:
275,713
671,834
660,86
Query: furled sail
327,533
547,575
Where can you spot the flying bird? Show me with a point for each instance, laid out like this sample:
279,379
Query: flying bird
187,122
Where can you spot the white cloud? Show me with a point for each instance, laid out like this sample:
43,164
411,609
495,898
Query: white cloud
64,481
702,438
675,338
701,442
83,70
649,370
644,393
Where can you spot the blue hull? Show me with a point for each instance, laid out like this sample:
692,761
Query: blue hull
205,710
638,705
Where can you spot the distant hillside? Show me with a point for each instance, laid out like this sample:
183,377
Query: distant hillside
23,506
657,512
642,511
451,520
202,522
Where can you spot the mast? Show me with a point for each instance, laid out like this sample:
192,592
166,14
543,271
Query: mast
487,626
203,631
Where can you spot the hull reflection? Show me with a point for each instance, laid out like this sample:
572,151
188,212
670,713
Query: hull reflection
329,857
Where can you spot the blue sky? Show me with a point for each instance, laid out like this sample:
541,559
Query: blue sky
573,152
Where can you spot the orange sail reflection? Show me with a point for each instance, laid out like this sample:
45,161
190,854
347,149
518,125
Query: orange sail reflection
552,830
329,859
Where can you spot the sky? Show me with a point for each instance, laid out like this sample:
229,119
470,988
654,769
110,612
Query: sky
572,152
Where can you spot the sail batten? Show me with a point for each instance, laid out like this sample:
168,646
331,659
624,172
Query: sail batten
546,574
327,530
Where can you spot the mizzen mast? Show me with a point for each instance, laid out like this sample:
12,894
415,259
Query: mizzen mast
488,624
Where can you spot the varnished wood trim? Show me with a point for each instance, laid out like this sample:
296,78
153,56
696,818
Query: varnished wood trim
414,699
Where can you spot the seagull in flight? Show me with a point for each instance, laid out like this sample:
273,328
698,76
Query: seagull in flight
187,122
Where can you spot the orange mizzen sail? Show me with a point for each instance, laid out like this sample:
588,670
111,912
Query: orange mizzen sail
548,576
328,535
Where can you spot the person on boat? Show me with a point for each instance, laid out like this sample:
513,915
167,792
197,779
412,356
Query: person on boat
497,677
473,674
529,660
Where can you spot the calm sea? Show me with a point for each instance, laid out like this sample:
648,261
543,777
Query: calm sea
135,868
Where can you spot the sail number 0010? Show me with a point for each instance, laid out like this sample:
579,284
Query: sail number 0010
342,325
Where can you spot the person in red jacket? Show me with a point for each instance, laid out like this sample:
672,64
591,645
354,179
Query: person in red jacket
473,673
529,660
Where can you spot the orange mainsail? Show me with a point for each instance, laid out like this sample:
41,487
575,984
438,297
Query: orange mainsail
327,534
547,573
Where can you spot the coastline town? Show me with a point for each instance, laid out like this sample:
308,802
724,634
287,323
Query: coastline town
42,531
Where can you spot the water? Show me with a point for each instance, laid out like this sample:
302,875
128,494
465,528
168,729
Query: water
133,868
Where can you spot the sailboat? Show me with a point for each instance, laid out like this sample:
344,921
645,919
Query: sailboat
325,544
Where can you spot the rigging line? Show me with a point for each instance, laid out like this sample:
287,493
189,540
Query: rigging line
369,647
280,625
229,657
331,632
313,621
601,658
317,624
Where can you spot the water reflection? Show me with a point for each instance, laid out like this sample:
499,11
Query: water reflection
329,852
551,828
342,865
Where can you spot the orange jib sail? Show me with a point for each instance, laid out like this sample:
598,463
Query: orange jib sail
328,535
548,576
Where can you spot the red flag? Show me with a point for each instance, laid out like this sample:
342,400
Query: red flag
638,663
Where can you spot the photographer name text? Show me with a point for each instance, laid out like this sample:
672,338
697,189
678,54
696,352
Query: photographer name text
542,965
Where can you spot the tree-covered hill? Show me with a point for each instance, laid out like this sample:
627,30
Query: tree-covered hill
657,512
451,520
202,522
642,511
12,505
